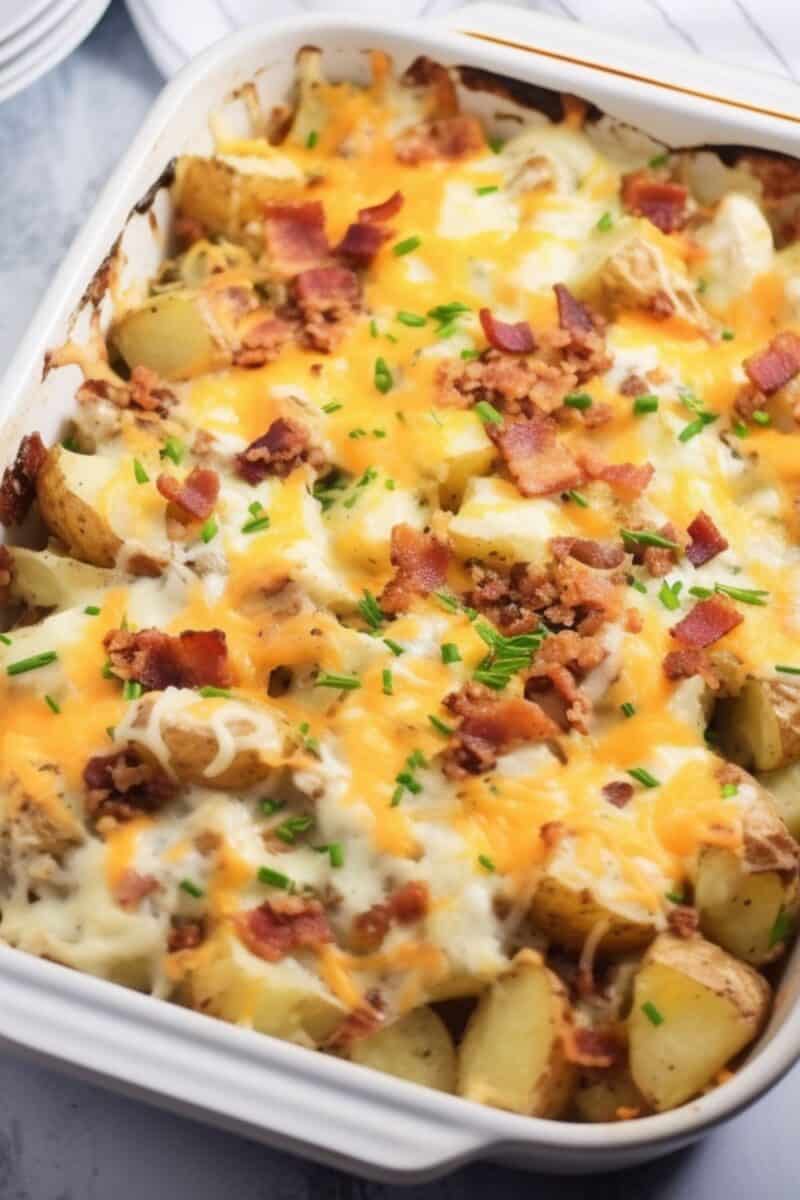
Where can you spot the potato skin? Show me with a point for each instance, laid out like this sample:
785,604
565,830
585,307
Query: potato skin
170,335
760,728
567,915
418,1048
62,487
600,1095
49,580
225,200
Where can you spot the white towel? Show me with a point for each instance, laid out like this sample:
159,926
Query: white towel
764,34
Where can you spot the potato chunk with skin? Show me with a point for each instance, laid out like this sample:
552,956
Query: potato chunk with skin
760,727
513,1055
694,1008
225,197
49,580
783,786
34,814
172,336
607,1095
418,1048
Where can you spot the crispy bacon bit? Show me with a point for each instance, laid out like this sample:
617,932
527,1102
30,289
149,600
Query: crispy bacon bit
511,339
662,203
707,541
406,906
131,887
18,486
627,480
449,138
682,664
659,560
147,391
294,236
194,498
284,446
572,315
601,556
517,386
328,298
156,660
122,785
564,660
409,903
263,342
770,369
382,212
633,385
552,833
186,933
592,1047
272,931
706,623
361,242
420,562
537,462
618,792
683,920
490,724
357,1025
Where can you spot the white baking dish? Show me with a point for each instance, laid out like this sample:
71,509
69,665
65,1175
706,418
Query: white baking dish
280,1093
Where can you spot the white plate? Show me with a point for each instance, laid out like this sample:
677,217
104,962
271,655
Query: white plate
16,14
47,21
49,50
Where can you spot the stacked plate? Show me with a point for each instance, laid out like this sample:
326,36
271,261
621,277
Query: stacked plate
35,35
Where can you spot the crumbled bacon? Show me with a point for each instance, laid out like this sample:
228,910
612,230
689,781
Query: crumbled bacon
328,299
633,385
658,560
682,664
581,342
186,933
660,202
537,462
627,480
420,563
384,211
592,1047
122,785
514,338
551,833
706,623
770,369
18,486
147,391
553,680
263,342
294,237
131,888
517,386
572,315
618,792
683,920
706,540
284,446
194,498
361,242
490,724
448,138
274,930
406,906
601,556
156,660
409,903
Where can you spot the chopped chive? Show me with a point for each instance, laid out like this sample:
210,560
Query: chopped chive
255,508
787,670
728,335
106,671
450,653
605,223
408,781
694,427
486,191
637,585
397,796
269,806
413,320
469,355
743,595
110,730
23,665
405,247
336,854
191,888
345,683
52,704
256,524
646,537
92,610
209,530
5,639
358,432
131,689
675,897
289,829
274,878
209,692
644,777
495,144
702,593
370,610
332,406
486,862
651,1012
578,498
69,443
659,160
740,429
781,929
440,726
627,709
388,682
448,602
579,400
139,472
373,328
488,413
702,286
382,376
668,595
416,759
391,338
762,418
312,140
395,647
645,404
389,484
729,789
173,449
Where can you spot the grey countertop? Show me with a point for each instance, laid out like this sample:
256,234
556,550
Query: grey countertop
63,1140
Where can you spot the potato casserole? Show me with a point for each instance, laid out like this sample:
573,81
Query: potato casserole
402,655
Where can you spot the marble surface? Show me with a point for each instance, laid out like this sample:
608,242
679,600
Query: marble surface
62,1140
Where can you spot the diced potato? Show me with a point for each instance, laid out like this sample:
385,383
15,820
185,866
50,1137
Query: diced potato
760,727
47,580
226,195
284,999
738,241
35,817
361,535
453,451
418,1047
784,787
512,1055
495,524
740,897
694,1008
171,335
606,1095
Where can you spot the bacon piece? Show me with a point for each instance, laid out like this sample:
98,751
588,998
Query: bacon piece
537,462
156,660
131,888
409,903
294,236
18,486
406,906
592,1047
707,541
382,212
682,664
361,242
147,392
122,785
189,230
490,724
618,792
186,933
565,658
448,138
328,298
358,1024
662,203
572,315
517,386
420,562
683,920
511,339
601,556
194,498
263,342
775,366
626,479
272,931
284,446
706,623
